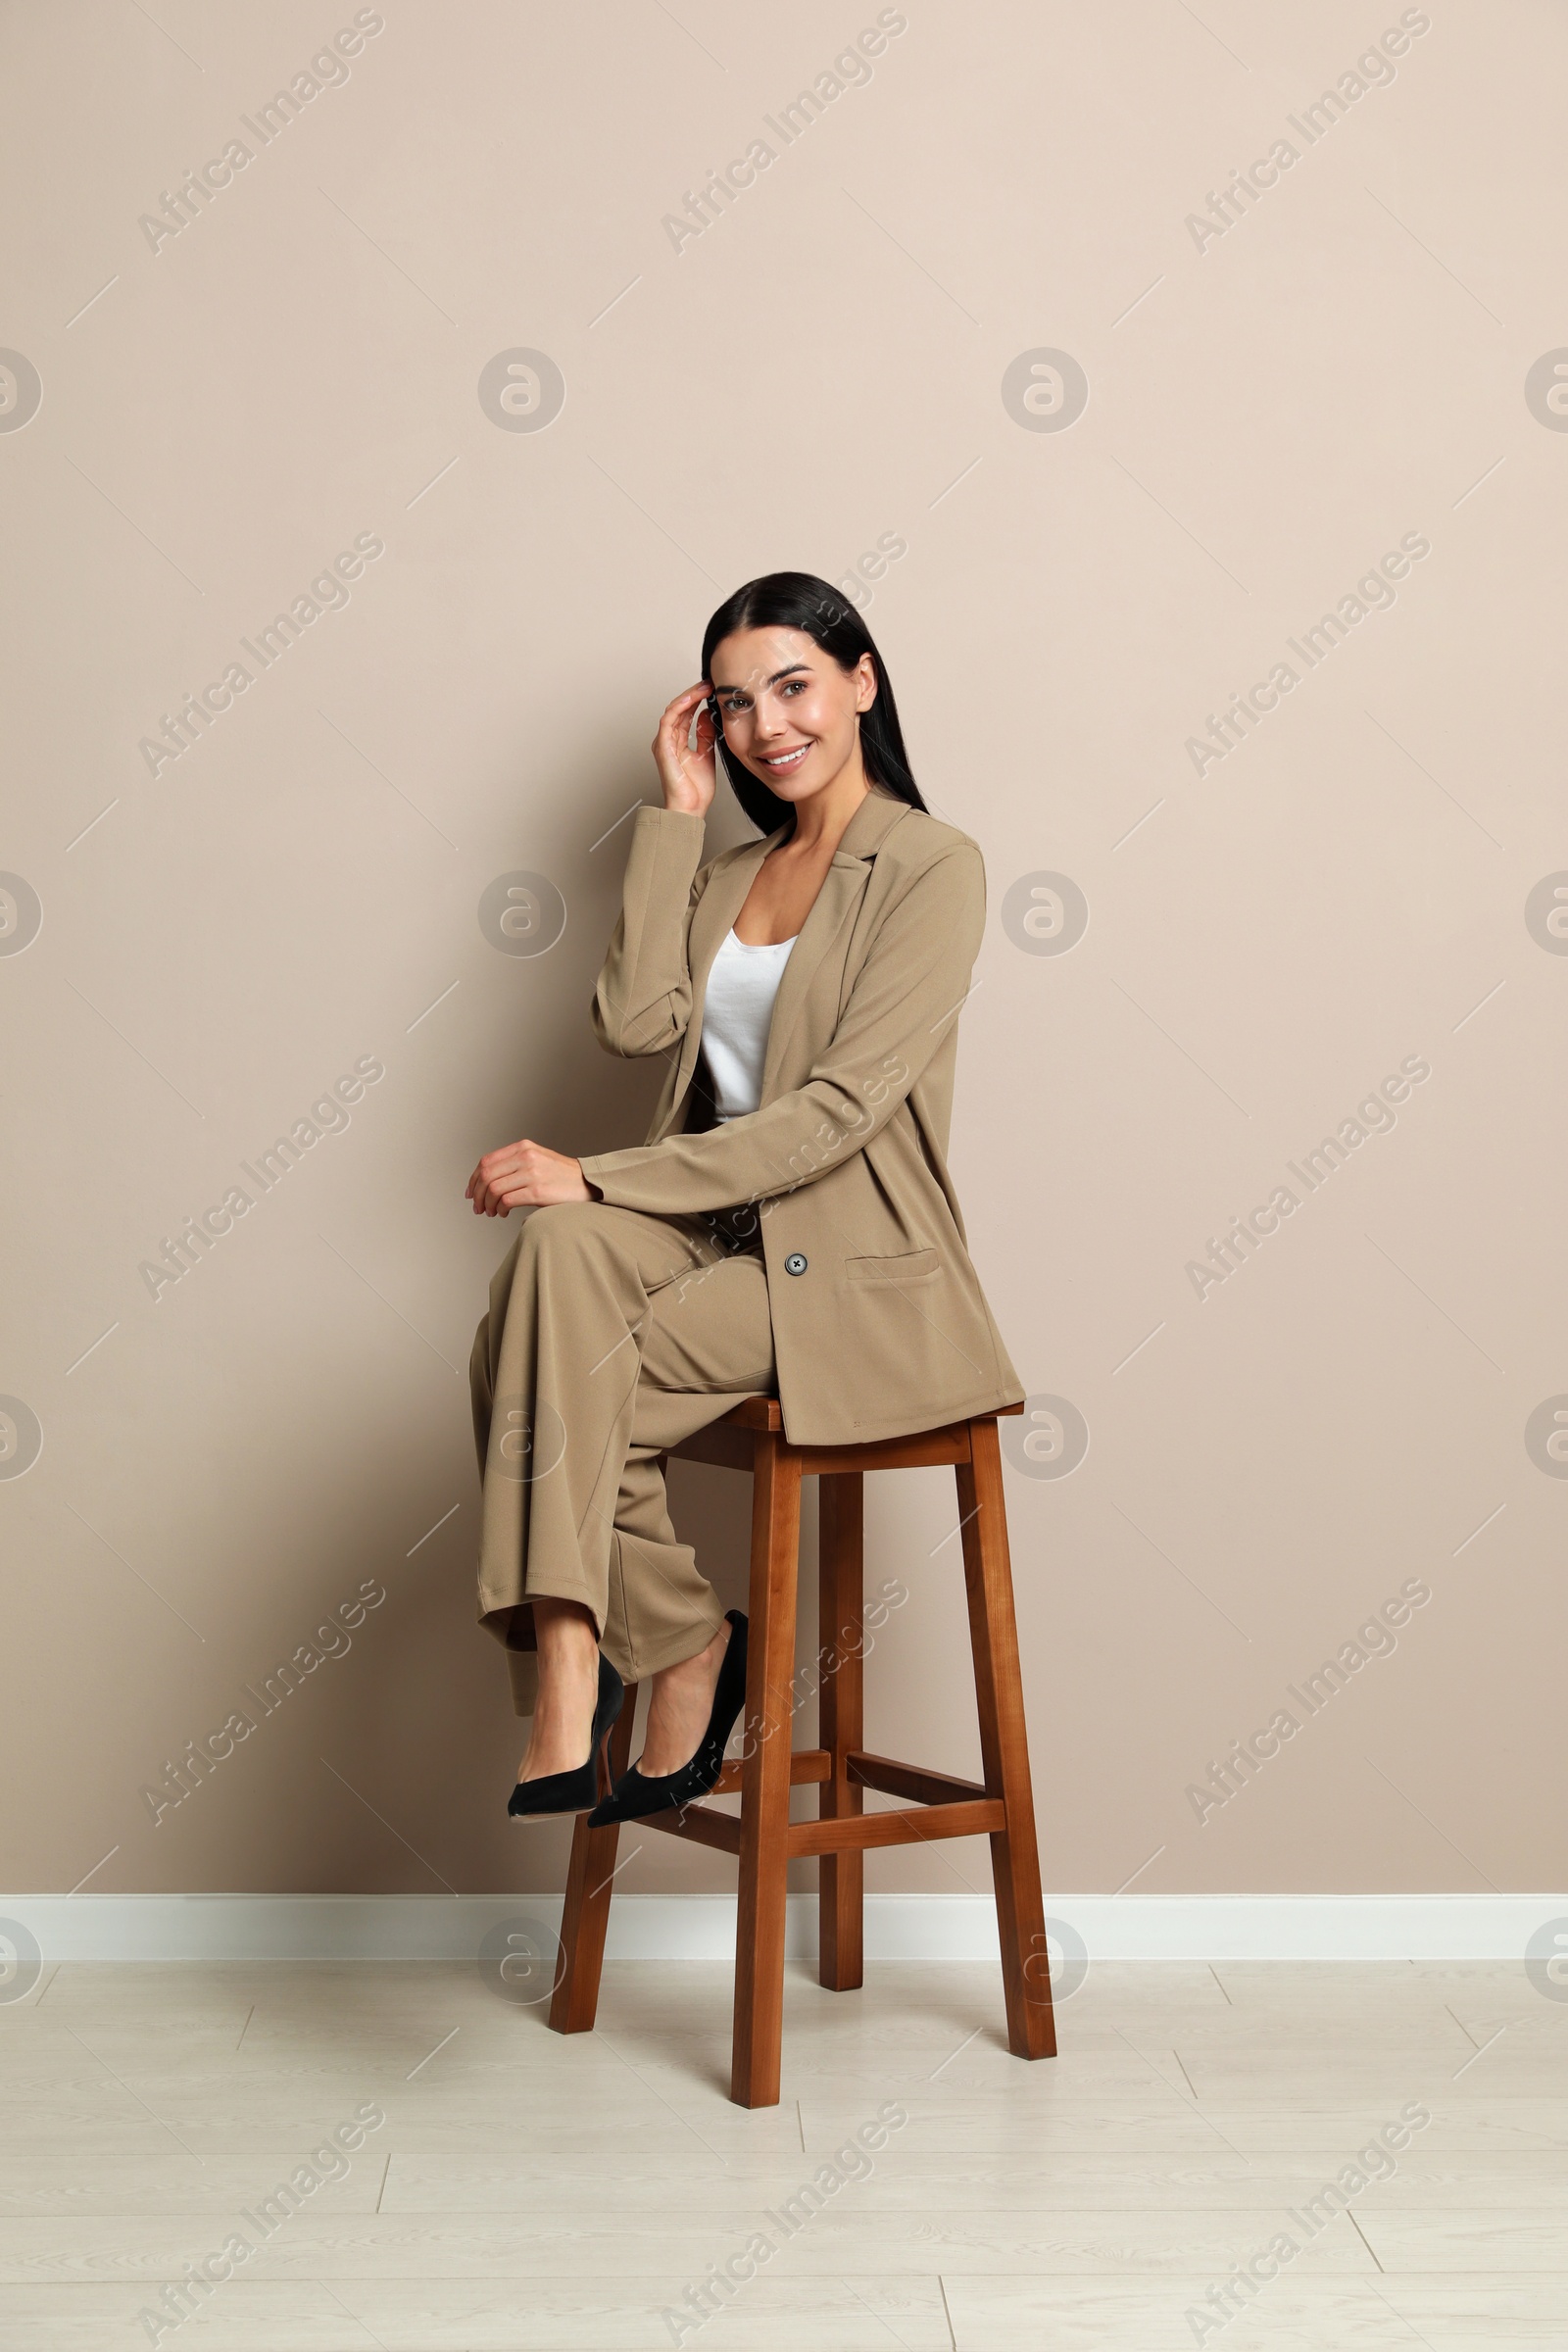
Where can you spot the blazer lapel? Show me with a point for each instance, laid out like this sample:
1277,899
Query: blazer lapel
712,919
843,888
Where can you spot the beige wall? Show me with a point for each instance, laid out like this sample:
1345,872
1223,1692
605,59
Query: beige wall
1270,934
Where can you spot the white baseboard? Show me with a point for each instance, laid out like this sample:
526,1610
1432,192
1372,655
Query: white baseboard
702,1926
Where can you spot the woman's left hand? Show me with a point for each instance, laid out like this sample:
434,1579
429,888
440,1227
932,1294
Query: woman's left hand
525,1175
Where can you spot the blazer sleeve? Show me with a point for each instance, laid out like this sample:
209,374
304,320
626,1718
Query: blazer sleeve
644,998
899,1015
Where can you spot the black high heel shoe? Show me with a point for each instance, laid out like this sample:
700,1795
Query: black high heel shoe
635,1793
574,1792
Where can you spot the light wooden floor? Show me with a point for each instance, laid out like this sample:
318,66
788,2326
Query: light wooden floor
530,2193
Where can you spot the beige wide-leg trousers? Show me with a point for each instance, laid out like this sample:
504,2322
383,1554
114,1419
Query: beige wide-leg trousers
610,1336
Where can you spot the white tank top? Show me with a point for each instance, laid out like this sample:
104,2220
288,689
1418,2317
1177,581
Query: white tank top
736,1013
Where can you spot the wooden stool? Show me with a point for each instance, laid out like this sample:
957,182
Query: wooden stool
763,1837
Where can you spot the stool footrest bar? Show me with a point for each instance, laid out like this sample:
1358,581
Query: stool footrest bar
849,1833
696,1822
911,1781
807,1764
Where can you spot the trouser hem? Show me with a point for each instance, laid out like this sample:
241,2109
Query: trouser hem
550,1585
675,1648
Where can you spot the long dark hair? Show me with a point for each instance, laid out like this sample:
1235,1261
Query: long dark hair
799,600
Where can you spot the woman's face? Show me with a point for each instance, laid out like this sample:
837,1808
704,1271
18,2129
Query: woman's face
788,711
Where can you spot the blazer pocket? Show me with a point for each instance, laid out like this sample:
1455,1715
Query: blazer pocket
913,1265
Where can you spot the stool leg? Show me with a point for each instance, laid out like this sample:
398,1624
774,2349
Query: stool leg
1003,1746
766,1775
585,1917
841,1640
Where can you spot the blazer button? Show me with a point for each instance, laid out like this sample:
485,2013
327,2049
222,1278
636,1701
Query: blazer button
795,1263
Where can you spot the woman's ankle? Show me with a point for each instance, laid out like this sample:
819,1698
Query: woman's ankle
567,1694
681,1702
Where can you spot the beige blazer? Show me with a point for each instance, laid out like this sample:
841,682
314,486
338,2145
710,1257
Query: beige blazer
879,1322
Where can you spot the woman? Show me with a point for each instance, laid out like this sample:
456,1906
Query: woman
790,1226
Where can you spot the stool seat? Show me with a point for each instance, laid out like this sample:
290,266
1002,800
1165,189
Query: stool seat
751,1438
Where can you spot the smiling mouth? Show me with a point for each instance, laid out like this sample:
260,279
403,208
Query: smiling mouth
781,762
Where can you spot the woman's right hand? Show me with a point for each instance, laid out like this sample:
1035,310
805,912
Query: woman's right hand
687,775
